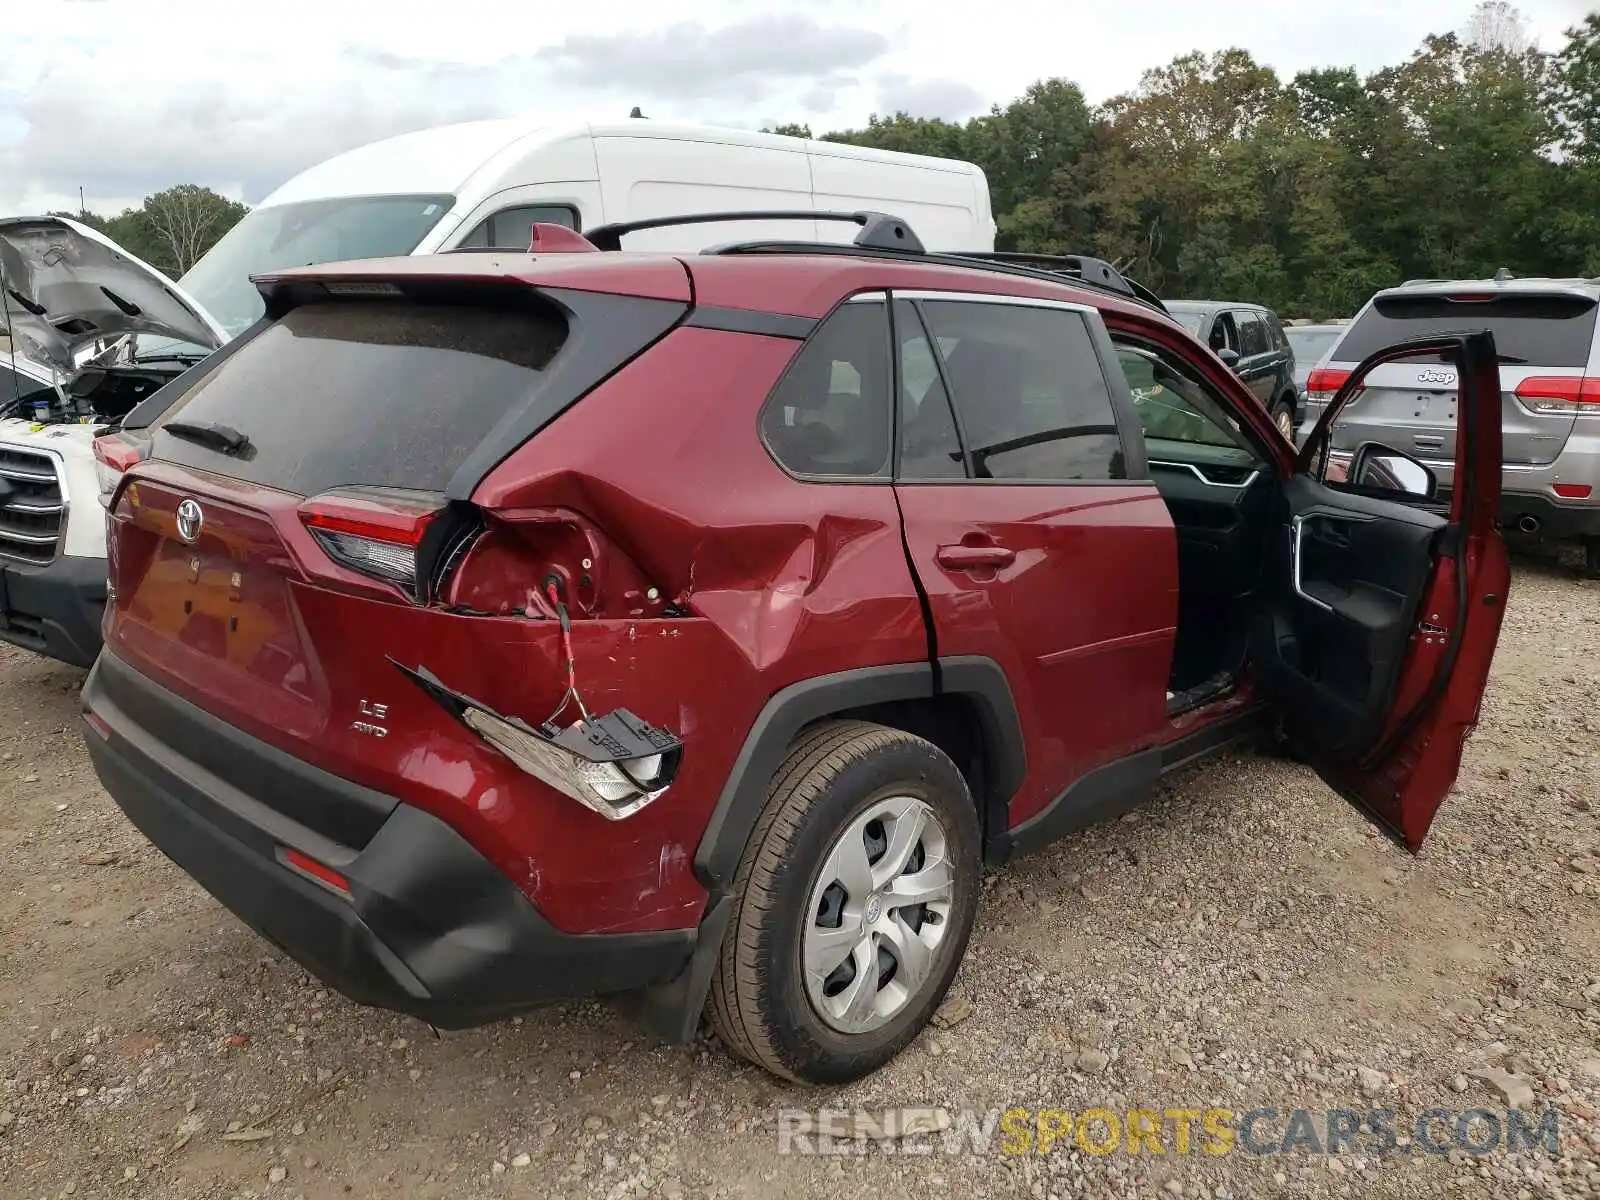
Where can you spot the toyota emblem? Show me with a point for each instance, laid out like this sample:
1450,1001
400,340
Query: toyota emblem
191,520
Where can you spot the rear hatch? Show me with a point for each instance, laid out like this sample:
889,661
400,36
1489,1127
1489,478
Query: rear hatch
272,551
1545,339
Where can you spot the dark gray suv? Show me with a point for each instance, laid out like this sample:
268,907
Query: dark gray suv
1250,339
1545,332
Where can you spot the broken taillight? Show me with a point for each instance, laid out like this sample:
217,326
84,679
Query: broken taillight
613,764
114,454
375,531
1558,393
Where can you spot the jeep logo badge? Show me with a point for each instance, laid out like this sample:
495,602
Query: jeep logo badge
1432,376
191,520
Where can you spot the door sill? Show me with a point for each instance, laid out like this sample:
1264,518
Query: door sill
1200,694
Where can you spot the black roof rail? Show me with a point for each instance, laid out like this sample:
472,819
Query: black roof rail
879,231
971,260
1095,271
887,236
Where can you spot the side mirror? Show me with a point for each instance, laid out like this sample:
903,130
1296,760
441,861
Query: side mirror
1379,468
1230,358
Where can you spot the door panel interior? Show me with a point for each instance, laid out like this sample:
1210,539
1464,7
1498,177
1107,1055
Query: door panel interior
1333,634
1221,516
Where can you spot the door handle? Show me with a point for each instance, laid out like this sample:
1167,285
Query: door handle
968,558
1296,552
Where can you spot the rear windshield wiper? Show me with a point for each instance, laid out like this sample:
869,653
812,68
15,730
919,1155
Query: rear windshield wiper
208,433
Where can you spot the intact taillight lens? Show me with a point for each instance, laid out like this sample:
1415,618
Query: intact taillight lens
1324,383
1559,393
114,454
375,531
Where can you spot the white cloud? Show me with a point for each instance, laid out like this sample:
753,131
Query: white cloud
123,97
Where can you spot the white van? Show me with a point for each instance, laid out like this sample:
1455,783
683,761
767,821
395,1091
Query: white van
483,184
486,182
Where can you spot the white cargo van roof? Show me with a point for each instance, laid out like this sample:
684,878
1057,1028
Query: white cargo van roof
441,159
462,159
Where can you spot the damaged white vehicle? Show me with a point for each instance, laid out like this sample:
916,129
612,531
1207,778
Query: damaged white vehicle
70,371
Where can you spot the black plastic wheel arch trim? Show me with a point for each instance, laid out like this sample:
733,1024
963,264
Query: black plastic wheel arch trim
974,678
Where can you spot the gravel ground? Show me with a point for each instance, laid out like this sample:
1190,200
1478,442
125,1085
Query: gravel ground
1244,941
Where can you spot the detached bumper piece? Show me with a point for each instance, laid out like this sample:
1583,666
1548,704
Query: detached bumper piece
613,764
411,918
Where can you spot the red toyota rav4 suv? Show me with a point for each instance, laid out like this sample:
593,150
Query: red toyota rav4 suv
494,629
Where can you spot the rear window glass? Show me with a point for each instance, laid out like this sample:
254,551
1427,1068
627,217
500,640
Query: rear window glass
1543,331
383,393
1191,319
1309,345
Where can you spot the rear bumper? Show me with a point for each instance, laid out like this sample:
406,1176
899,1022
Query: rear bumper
1548,516
55,610
429,927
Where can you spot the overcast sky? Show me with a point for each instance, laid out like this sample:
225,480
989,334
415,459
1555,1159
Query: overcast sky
124,97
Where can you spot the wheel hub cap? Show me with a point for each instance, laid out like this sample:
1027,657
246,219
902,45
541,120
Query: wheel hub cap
878,915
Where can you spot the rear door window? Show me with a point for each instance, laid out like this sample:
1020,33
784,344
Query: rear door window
1552,330
1032,401
385,393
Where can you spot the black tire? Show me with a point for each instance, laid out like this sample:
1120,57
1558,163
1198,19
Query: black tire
1591,558
1281,411
759,1003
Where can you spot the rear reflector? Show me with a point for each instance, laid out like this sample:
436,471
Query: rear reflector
375,531
1573,491
325,875
114,454
1558,393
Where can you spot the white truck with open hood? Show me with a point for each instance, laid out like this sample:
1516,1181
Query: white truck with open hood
93,330
69,369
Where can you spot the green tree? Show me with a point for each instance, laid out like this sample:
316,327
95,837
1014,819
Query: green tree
185,221
1575,90
909,135
171,229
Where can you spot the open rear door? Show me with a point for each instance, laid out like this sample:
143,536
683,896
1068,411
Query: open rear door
1384,601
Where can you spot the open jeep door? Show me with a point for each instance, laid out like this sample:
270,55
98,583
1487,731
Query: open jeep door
1383,601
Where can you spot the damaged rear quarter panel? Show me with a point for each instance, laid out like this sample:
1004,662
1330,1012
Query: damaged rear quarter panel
780,580
583,872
